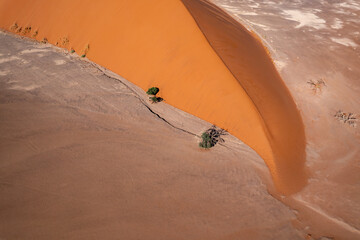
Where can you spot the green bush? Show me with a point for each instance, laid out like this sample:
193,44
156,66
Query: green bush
211,137
152,91
155,99
206,141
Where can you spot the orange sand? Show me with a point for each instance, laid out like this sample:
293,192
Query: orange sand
230,82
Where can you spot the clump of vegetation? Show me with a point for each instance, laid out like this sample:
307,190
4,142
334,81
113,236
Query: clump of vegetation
19,30
35,33
14,26
206,141
153,91
72,50
211,137
86,50
26,30
155,99
64,41
317,85
45,40
348,118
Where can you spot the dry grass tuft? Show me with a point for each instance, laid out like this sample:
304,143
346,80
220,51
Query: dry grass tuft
35,34
14,27
317,86
26,30
347,118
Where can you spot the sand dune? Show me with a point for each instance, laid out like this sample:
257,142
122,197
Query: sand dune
219,72
82,157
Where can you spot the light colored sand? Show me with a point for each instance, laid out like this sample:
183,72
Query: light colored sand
330,203
305,19
345,41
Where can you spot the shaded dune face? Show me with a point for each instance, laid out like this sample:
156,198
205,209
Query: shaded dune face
247,59
204,63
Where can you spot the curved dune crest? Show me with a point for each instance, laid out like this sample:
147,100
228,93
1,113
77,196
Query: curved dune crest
211,67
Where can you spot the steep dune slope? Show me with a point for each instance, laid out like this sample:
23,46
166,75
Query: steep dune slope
251,65
158,43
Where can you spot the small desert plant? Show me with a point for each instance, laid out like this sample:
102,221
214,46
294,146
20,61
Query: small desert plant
155,99
45,40
64,41
206,141
14,26
35,33
211,137
19,30
317,85
348,118
86,50
26,30
72,50
152,91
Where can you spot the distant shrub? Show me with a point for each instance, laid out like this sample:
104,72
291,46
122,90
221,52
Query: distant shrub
72,50
86,50
26,30
211,137
155,99
206,141
14,26
35,33
153,91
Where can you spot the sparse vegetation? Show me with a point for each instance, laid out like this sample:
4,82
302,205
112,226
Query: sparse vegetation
317,86
211,137
64,41
26,30
45,40
155,99
153,91
14,26
86,50
348,118
35,33
72,50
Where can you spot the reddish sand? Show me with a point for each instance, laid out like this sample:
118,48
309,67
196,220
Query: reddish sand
159,44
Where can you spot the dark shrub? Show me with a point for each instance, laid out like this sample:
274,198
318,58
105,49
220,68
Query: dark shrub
152,91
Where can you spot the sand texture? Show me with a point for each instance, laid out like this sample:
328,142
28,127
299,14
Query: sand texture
316,48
